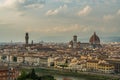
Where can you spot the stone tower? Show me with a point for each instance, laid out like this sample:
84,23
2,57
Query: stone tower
75,41
75,38
27,38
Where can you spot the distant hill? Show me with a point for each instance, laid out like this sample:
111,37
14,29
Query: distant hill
110,39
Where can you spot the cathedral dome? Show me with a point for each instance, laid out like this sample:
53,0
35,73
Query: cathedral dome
94,39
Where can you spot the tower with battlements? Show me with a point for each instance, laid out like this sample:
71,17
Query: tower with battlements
26,38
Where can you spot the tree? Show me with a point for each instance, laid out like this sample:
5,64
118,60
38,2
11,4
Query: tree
47,77
32,75
22,76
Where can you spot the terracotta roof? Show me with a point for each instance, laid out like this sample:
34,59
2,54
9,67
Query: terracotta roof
93,61
105,64
94,39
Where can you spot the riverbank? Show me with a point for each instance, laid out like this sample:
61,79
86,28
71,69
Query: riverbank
85,75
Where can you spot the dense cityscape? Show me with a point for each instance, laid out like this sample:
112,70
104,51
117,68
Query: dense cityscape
74,56
59,39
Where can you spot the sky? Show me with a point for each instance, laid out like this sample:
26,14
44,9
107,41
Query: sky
58,20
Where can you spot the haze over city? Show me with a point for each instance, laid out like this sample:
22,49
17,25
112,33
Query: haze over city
58,20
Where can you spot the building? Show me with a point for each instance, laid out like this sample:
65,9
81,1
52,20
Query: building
70,44
50,61
75,38
20,59
27,38
100,66
78,44
92,65
94,41
116,63
75,41
105,68
6,74
78,65
32,42
59,62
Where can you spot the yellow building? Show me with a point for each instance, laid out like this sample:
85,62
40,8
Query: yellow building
58,62
100,66
92,65
105,68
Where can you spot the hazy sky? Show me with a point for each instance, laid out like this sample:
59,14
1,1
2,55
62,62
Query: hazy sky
58,20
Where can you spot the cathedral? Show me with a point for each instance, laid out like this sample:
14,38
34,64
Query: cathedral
94,42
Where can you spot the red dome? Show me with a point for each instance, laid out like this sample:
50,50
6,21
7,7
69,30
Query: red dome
94,39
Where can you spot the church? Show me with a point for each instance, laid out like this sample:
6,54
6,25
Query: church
94,42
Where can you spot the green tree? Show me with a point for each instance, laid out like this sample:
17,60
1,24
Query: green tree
22,76
47,77
32,75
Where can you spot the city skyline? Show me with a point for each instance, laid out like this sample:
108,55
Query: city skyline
58,20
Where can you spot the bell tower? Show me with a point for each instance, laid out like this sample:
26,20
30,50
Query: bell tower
75,41
27,38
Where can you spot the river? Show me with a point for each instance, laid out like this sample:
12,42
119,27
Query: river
59,77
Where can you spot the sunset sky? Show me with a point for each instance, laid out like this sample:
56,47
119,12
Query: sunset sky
58,20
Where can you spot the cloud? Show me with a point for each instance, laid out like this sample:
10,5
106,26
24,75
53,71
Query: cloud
85,11
73,29
36,6
22,4
90,1
21,7
56,11
61,29
52,12
67,1
108,17
118,13
111,16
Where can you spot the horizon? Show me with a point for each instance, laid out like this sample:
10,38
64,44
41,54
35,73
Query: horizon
82,40
59,20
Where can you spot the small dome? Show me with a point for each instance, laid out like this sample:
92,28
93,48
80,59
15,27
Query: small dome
94,39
